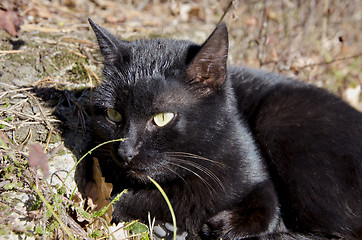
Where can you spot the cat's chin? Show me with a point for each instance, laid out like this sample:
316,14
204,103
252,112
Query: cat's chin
137,175
142,176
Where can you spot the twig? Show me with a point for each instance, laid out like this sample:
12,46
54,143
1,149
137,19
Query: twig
9,204
49,137
319,63
11,51
93,73
23,115
74,40
331,61
7,124
73,225
226,11
133,236
28,136
77,53
43,65
41,111
262,44
15,90
18,104
89,76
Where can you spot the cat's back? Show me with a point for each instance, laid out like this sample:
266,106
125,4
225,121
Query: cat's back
311,141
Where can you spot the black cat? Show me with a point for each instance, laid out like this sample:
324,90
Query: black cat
241,154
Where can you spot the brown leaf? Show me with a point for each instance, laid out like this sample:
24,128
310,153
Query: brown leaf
191,10
37,158
251,21
39,9
115,19
99,192
10,21
4,138
272,15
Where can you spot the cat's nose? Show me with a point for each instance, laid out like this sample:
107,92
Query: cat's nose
127,153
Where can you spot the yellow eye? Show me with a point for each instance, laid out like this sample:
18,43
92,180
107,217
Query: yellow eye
162,119
113,115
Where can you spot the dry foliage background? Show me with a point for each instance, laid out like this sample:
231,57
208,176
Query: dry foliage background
49,63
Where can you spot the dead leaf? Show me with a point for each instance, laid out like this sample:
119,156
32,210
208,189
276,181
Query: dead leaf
99,192
39,9
10,21
70,3
251,21
37,158
272,15
191,10
5,140
115,19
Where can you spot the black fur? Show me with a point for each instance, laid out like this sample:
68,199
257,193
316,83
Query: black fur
249,155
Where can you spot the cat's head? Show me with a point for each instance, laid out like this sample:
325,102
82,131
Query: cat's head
168,99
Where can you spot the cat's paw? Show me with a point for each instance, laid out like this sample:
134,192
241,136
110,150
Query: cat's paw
165,231
217,227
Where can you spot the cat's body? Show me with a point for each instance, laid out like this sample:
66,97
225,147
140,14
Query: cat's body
309,139
241,154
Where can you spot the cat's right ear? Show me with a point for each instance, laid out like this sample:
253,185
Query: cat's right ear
207,70
114,50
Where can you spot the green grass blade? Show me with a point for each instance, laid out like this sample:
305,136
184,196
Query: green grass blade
90,152
104,209
62,225
169,206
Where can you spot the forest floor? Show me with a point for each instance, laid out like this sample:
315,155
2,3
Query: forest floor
50,62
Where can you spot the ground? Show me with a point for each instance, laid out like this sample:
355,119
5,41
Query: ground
49,66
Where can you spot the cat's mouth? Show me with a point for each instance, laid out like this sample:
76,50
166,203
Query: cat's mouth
128,166
135,169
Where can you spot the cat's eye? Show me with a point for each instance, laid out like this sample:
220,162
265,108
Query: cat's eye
162,119
113,115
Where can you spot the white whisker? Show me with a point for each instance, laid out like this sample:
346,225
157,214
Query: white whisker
194,156
203,169
193,172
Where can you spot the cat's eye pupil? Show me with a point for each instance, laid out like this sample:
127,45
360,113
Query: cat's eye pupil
113,115
162,119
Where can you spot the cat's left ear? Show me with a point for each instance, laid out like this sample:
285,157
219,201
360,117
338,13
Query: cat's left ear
207,70
114,50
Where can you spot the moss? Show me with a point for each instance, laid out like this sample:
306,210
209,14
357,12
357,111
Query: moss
61,152
78,74
3,231
55,138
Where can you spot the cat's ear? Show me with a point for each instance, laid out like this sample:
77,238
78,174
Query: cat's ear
207,69
114,50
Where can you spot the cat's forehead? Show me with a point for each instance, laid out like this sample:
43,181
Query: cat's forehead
159,94
153,79
159,52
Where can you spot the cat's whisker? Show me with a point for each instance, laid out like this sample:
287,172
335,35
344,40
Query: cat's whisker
196,174
194,156
204,169
177,155
174,172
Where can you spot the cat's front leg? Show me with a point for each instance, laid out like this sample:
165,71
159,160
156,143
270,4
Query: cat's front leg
256,215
